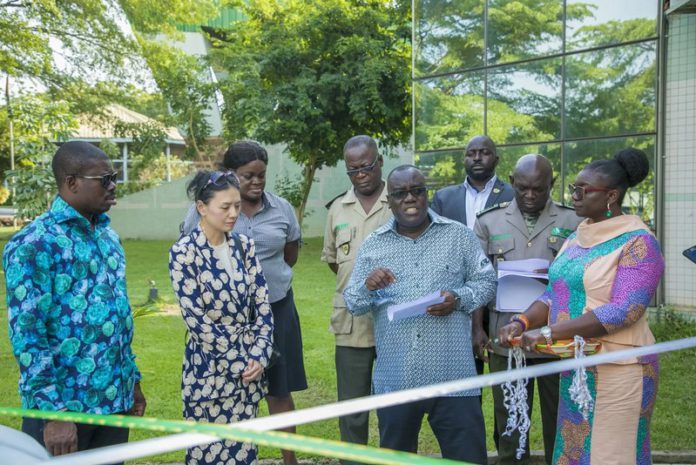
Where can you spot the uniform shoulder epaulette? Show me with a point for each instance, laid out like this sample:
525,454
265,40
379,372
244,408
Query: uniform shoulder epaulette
497,206
567,207
328,205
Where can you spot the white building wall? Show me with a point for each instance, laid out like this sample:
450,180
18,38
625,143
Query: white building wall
680,161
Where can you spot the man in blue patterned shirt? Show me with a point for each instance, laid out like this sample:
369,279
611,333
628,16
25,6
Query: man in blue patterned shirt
70,320
417,253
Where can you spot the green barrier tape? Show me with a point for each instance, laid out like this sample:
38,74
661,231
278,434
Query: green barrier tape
296,442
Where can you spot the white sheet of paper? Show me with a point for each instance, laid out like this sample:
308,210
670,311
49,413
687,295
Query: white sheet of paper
516,293
414,307
526,267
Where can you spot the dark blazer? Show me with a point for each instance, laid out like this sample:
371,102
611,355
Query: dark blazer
450,201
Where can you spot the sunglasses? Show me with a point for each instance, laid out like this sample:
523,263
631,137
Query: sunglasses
222,178
105,180
364,169
578,192
414,191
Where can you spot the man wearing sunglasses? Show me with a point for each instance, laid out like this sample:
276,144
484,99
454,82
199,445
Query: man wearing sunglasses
352,216
70,320
415,254
531,226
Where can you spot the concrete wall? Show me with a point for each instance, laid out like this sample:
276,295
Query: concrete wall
680,160
156,213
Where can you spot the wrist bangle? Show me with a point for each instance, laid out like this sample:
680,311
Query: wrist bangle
521,319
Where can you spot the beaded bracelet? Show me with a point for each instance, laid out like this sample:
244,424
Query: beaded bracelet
521,319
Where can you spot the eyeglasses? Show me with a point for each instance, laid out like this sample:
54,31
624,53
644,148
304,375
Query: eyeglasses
105,180
220,178
364,169
414,191
578,192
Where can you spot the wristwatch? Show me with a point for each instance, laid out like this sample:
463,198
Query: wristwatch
546,332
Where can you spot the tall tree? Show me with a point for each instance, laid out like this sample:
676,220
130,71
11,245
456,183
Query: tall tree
52,41
312,74
89,53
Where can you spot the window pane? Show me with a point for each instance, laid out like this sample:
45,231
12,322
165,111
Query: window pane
521,29
508,157
524,102
612,91
449,111
640,200
593,23
441,169
448,35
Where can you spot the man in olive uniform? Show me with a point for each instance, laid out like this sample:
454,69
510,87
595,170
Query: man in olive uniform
530,226
352,216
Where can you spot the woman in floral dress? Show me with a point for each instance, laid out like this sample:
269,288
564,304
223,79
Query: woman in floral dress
224,302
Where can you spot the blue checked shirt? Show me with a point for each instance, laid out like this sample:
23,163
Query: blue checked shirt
70,320
424,349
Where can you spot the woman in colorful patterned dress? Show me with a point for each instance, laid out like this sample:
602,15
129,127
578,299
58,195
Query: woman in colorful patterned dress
224,301
600,285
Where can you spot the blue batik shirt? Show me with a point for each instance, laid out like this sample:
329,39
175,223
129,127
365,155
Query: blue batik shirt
425,349
70,320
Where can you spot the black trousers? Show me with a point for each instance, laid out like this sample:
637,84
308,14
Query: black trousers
457,423
88,436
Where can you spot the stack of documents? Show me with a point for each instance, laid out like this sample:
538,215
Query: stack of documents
519,283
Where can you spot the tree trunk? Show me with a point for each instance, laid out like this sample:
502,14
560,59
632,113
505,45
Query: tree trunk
308,171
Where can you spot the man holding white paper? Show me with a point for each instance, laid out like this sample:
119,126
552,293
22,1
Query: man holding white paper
521,238
416,254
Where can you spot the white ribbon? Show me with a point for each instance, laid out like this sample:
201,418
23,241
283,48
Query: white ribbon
515,401
579,391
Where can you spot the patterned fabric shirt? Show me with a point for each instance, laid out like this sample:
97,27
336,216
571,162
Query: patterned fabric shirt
615,279
424,349
271,228
70,320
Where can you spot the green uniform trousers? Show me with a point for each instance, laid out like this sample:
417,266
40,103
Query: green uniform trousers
354,379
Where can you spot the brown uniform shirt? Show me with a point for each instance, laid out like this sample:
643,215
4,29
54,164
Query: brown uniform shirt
504,235
347,226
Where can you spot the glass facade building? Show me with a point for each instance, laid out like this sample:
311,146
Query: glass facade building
575,80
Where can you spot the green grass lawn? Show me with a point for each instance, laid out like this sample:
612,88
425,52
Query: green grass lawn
159,342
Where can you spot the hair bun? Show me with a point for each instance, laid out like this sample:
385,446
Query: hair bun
635,163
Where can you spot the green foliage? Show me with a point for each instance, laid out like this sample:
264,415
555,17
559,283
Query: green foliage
34,187
185,83
110,148
290,189
39,122
88,33
668,325
84,30
4,195
100,60
156,169
313,74
148,138
162,16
